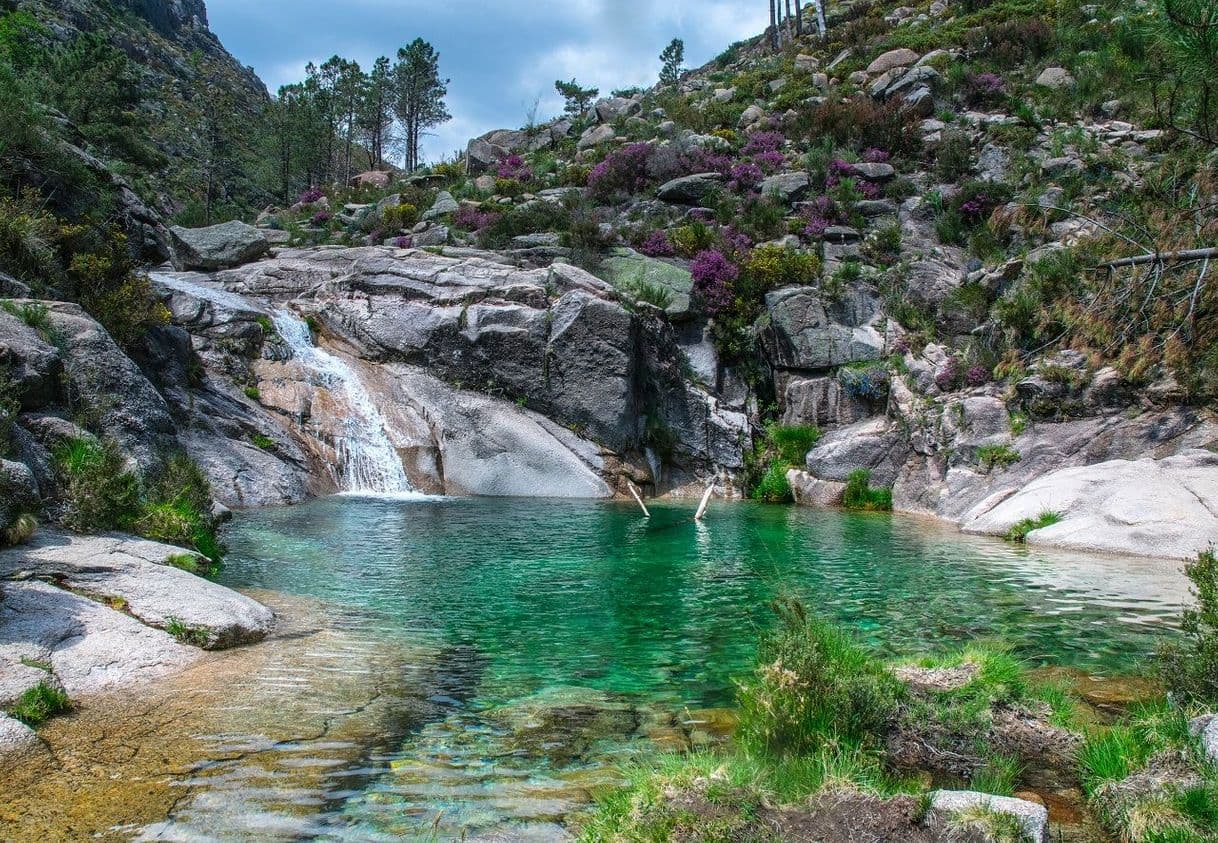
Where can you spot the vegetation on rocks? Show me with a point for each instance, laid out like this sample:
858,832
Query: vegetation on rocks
38,704
860,495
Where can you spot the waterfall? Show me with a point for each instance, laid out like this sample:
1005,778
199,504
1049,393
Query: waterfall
367,460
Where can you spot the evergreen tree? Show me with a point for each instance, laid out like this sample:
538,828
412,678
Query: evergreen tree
419,95
376,111
578,99
673,58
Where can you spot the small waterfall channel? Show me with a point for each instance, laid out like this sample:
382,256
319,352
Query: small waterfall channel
367,460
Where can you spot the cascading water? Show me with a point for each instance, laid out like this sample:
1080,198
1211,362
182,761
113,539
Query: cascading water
367,460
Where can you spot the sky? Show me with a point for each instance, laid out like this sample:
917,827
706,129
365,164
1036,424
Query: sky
501,57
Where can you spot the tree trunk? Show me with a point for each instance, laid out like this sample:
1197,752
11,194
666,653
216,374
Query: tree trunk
799,19
773,25
790,33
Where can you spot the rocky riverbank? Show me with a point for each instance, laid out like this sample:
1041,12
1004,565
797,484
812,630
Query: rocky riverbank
80,616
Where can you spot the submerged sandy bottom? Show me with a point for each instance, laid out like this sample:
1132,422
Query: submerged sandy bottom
259,737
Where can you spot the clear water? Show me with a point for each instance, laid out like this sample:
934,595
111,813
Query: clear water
551,617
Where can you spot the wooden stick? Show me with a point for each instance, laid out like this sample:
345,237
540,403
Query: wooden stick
706,496
1190,254
634,492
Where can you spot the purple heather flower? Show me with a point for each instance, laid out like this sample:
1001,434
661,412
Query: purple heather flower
771,161
623,171
471,218
657,245
713,275
403,242
311,196
746,176
977,376
870,190
760,142
515,168
321,218
875,156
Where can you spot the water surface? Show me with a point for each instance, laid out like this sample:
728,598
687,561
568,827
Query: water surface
568,636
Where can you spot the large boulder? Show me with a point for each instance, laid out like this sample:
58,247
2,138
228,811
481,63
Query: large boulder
217,247
690,190
804,330
787,187
875,445
1146,507
901,57
18,491
1205,730
627,270
34,365
608,110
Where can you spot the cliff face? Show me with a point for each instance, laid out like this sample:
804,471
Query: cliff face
183,71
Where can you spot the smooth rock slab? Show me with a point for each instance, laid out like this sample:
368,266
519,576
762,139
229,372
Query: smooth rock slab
626,270
1165,508
89,647
944,804
118,568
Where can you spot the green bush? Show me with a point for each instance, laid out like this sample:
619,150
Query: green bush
97,490
815,687
860,496
773,486
1001,456
38,704
1190,668
399,217
793,442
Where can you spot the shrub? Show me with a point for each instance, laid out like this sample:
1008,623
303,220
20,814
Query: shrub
1002,456
1019,532
656,295
859,495
514,168
399,217
770,267
690,240
1190,668
861,123
97,490
623,171
20,531
793,442
38,704
773,487
713,275
866,381
954,159
815,688
657,245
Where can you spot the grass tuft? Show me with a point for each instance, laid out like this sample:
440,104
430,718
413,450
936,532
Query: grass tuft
38,704
1019,532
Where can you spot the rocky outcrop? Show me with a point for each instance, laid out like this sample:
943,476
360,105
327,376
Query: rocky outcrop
946,805
521,354
1147,507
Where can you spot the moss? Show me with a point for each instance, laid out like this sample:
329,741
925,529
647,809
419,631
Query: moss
38,704
194,636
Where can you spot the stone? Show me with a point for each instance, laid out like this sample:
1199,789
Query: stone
788,187
1205,730
872,444
595,136
902,57
216,247
34,365
689,190
993,164
445,204
133,572
537,240
806,332
750,116
608,110
919,102
372,178
1055,78
875,172
945,804
911,80
723,95
814,492
626,269
433,235
16,739
820,401
481,155
19,491
1147,507
807,63
485,183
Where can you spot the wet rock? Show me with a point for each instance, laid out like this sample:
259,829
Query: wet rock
563,723
814,492
945,805
217,247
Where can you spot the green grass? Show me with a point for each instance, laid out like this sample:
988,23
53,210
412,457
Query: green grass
793,442
38,704
192,564
1019,532
994,826
262,441
1000,776
194,636
773,487
22,529
860,496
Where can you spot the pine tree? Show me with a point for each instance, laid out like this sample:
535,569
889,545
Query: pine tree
672,57
376,111
578,98
420,92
